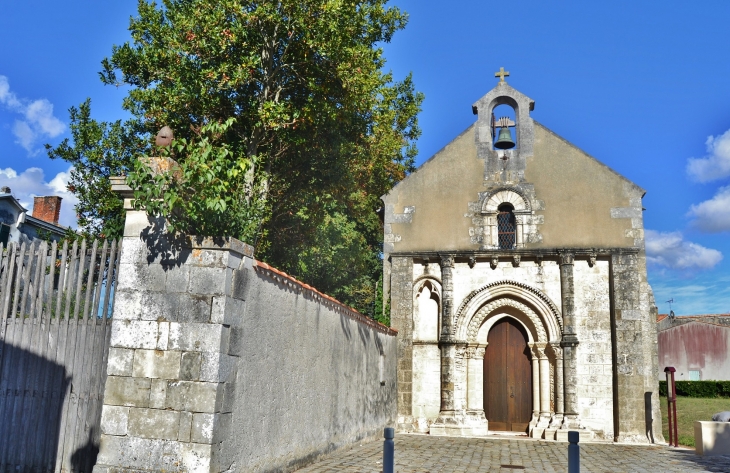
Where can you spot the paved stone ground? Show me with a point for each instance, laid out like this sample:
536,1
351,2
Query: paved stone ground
425,454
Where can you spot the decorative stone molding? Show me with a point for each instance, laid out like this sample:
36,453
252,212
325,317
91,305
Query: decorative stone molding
505,196
543,306
516,261
493,262
592,259
531,321
567,258
472,261
484,212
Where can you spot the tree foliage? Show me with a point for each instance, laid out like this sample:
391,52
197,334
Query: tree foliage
287,127
97,151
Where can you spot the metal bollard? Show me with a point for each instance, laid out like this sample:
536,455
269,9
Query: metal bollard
573,452
388,450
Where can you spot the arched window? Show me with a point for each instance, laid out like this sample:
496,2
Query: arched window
506,226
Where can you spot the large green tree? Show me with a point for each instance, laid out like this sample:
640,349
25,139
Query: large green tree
97,151
280,105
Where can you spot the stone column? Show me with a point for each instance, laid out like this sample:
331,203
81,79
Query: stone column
557,354
448,348
475,416
569,343
535,386
401,319
538,352
169,366
475,378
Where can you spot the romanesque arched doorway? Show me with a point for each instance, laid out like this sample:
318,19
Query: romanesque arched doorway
508,377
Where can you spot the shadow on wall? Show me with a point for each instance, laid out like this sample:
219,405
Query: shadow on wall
31,410
648,416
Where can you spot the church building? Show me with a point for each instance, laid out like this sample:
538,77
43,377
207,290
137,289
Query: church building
516,274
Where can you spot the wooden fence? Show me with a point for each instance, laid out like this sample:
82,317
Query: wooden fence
55,305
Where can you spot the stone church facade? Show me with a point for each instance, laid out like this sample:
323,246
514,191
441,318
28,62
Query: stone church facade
517,283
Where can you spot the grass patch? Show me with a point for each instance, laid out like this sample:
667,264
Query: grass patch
690,409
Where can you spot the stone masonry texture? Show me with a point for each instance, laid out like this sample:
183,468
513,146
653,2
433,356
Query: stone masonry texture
220,363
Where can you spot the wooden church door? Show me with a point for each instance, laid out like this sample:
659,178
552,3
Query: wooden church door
507,378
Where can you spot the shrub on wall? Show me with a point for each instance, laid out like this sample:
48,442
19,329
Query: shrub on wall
707,389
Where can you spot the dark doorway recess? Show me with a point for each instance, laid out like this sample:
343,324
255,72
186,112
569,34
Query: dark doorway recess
507,378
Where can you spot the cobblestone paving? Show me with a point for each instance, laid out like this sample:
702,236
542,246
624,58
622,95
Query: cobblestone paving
425,454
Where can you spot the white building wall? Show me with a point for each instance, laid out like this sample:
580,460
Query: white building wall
593,321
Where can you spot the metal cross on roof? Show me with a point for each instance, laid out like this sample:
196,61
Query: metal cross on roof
501,74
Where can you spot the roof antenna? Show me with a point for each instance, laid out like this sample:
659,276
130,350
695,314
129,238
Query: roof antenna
671,312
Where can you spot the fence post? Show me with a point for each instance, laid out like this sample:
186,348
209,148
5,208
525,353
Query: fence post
671,405
573,452
388,450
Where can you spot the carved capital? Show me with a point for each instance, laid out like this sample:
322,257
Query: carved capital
555,351
538,349
493,262
447,261
567,258
592,259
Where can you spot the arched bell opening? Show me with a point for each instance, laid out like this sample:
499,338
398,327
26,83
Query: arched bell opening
504,127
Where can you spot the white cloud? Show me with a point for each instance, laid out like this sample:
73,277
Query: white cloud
713,215
716,164
671,250
38,121
6,97
31,183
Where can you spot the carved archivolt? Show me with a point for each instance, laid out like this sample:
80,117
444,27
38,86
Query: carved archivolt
505,196
421,281
535,300
533,323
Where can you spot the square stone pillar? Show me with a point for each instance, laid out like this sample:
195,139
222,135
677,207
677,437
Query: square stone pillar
170,374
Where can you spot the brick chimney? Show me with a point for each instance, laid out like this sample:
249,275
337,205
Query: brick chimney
47,208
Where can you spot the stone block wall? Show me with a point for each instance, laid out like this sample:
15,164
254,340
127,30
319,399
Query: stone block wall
167,403
637,412
595,366
221,363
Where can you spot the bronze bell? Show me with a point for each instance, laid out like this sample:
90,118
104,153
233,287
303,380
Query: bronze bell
504,140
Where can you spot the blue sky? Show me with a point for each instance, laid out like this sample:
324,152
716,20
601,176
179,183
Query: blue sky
642,86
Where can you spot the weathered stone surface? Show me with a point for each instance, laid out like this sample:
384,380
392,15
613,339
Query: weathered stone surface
198,337
138,334
192,396
156,364
216,367
154,424
120,362
158,393
203,427
151,277
185,428
190,366
122,391
114,420
205,280
226,310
